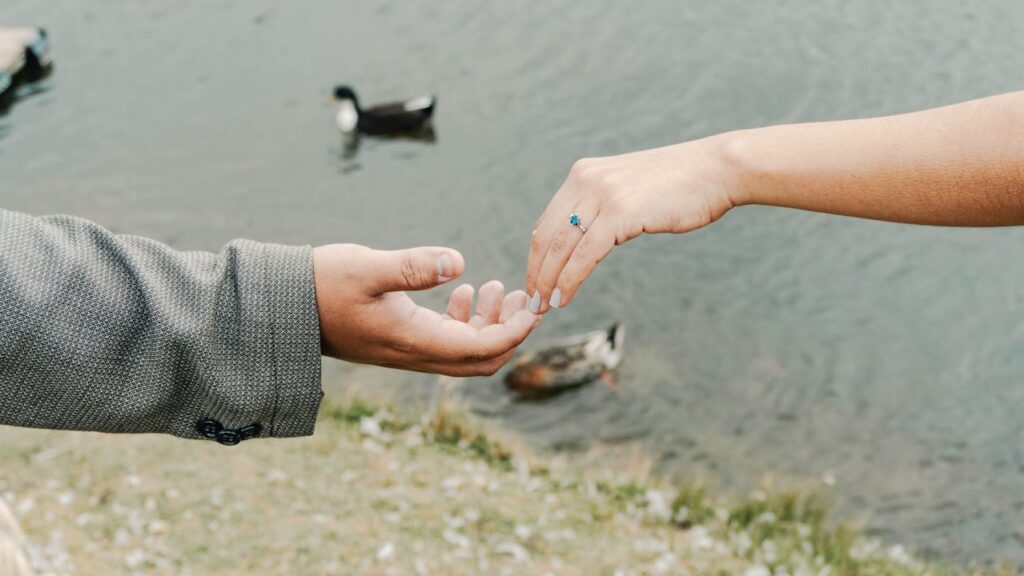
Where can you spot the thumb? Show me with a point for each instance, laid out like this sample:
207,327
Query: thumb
418,268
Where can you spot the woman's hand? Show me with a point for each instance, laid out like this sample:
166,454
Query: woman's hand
673,189
365,315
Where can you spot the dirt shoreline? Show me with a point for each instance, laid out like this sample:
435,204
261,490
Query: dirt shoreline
373,494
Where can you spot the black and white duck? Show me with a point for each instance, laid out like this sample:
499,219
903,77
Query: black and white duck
24,56
569,363
394,118
24,52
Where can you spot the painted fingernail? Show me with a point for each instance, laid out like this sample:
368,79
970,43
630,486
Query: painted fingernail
534,304
556,298
445,267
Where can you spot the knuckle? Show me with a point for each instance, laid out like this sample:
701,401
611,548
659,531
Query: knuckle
620,236
476,356
615,204
402,343
585,249
705,214
626,233
584,170
489,369
532,278
537,242
581,165
411,273
568,280
453,371
610,185
560,243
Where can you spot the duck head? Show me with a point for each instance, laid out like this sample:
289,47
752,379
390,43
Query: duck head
606,347
343,92
348,108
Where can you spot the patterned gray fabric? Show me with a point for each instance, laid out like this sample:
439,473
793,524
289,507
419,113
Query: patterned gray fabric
118,333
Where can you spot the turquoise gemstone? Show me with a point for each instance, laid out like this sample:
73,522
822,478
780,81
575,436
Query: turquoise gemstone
574,219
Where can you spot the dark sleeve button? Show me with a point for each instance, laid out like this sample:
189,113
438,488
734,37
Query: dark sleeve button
229,437
250,431
214,430
209,427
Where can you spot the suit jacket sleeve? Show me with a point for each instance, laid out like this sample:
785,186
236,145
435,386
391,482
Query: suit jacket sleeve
118,333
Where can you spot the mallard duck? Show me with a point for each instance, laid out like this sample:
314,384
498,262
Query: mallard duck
569,363
384,119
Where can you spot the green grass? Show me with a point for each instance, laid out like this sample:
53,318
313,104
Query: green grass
691,506
350,413
451,429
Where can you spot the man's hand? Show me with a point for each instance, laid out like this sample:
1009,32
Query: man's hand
366,316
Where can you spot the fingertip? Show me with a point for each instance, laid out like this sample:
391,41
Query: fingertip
450,264
514,301
545,294
517,296
565,296
533,303
489,301
460,304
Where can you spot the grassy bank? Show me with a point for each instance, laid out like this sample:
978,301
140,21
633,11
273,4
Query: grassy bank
372,493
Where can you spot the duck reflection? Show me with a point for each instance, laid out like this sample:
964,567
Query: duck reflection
352,141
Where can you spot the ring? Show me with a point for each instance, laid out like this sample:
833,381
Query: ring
576,221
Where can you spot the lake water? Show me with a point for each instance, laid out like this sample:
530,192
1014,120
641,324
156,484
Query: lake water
773,342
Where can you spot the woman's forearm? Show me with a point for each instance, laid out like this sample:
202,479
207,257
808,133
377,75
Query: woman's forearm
960,165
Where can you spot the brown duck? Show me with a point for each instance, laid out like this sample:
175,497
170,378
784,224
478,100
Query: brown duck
569,363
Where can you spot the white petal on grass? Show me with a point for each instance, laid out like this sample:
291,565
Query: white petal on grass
899,554
665,563
523,532
277,476
563,534
757,570
369,426
456,539
25,506
452,483
700,539
650,546
659,505
386,552
518,553
742,543
769,550
135,558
